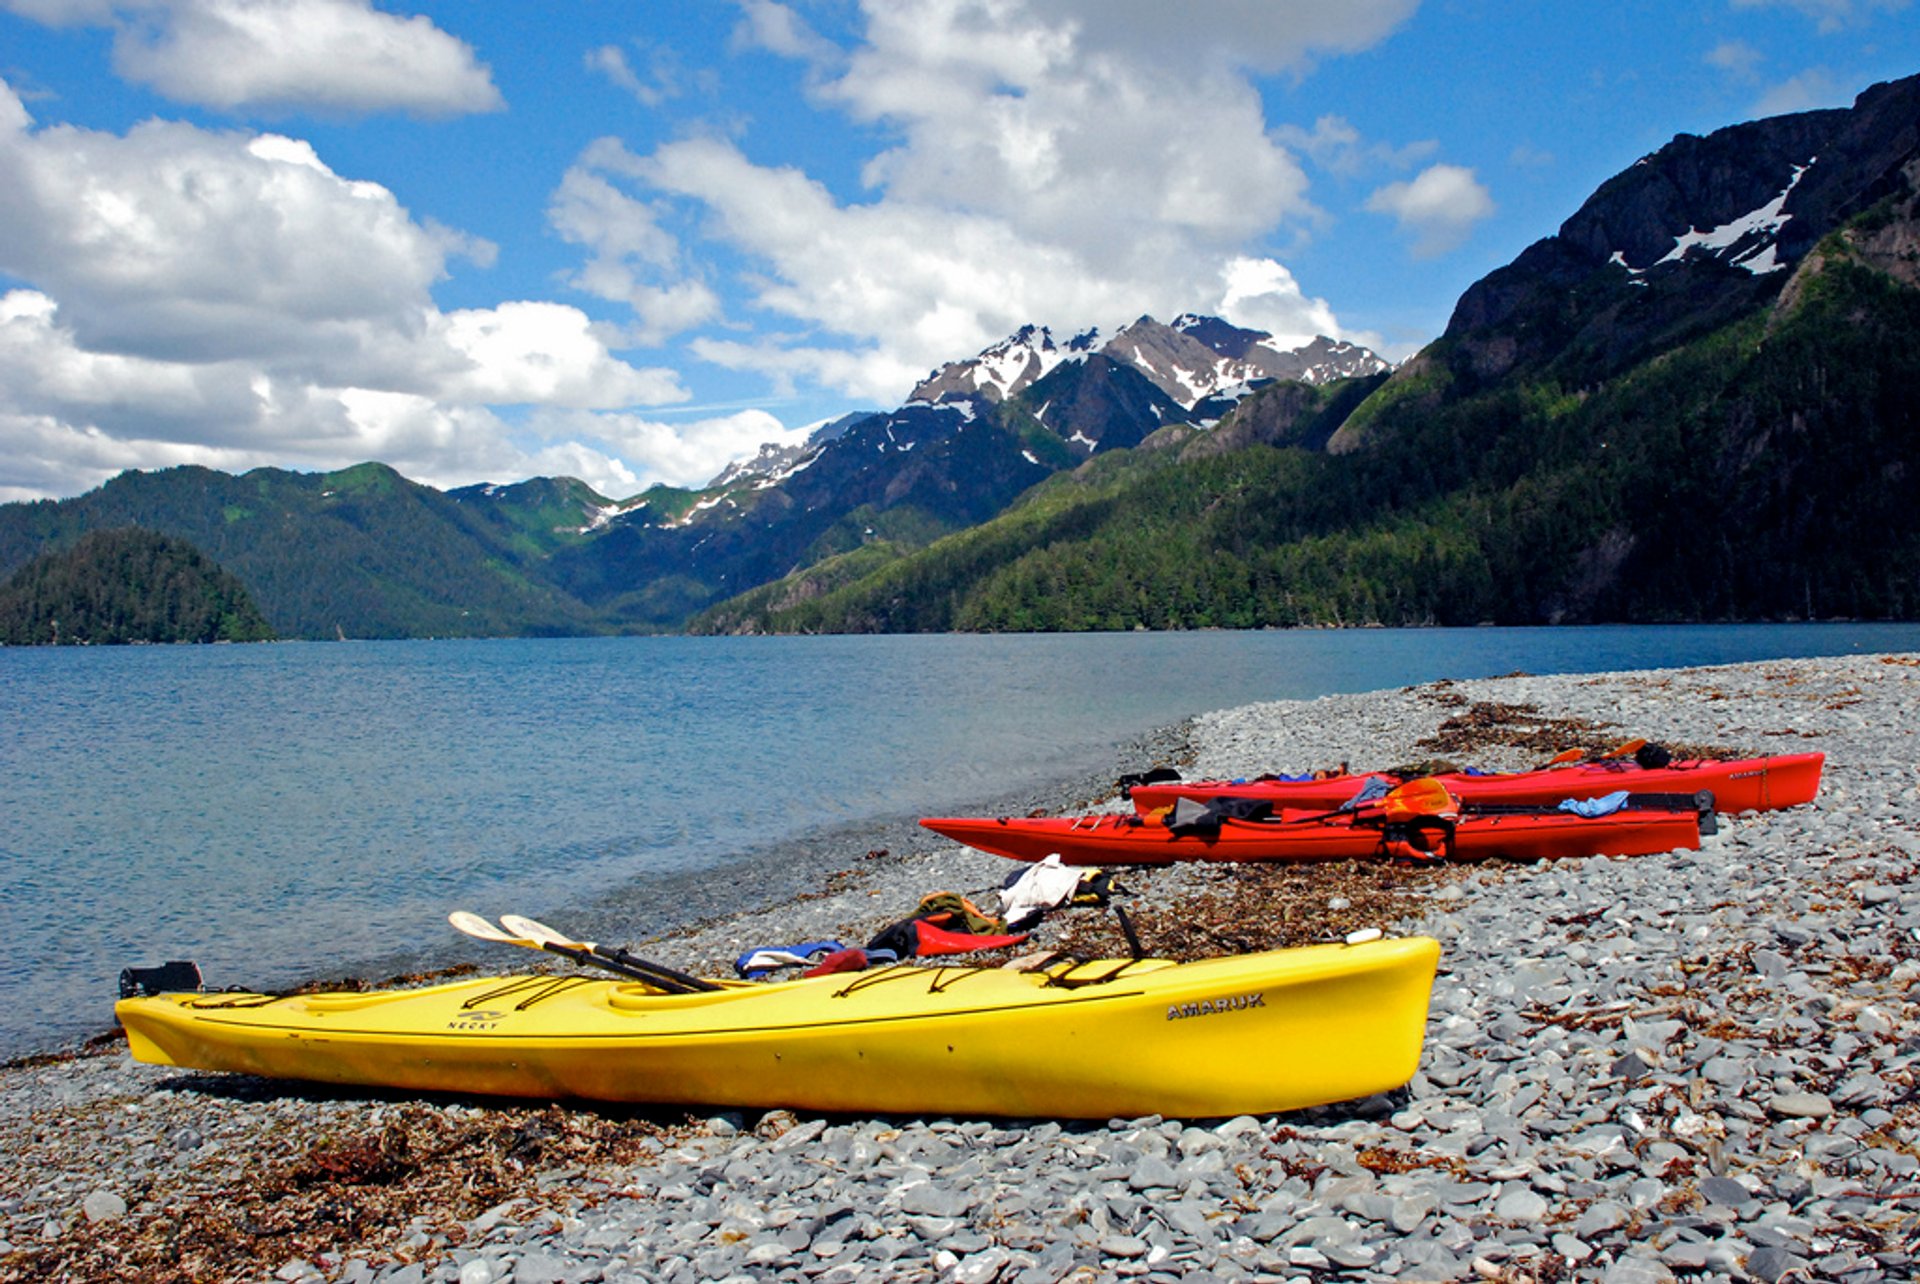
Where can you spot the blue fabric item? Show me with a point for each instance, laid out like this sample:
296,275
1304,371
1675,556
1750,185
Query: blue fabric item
1476,771
757,963
1605,805
1376,787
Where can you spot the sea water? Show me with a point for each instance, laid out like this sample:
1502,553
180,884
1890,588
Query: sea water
280,812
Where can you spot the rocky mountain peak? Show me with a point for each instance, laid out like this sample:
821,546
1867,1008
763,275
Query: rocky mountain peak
1005,369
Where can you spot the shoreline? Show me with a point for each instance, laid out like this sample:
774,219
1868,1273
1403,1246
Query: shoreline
1700,1065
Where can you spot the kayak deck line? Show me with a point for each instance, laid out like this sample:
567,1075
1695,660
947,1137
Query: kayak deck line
619,999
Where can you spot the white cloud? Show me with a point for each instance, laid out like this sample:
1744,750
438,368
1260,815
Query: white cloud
541,353
1262,295
870,371
765,24
1071,163
334,55
681,454
632,259
71,418
1438,208
226,298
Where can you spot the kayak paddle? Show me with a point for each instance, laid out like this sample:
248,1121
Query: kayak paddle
586,955
1566,756
478,928
654,973
1424,796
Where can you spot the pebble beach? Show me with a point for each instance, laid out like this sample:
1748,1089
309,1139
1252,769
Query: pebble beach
1700,1065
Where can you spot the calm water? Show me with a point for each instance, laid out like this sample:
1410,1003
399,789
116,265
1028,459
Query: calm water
280,812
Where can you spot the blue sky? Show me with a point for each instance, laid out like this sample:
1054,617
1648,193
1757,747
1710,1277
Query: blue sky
483,240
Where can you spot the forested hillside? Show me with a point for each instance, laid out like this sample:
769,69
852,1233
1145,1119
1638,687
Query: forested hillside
121,586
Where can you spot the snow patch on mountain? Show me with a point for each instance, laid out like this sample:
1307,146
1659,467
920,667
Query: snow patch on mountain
1751,241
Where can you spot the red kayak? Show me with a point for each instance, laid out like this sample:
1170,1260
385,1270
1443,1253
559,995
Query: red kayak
1647,824
1743,784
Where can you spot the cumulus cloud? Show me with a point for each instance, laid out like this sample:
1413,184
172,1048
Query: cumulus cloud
688,453
632,259
775,27
226,298
1262,294
70,418
334,55
1075,163
1437,209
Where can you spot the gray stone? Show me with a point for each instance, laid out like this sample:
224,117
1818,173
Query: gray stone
1572,1248
1600,1218
1725,1190
1352,1256
981,1267
1768,1264
1520,1204
1638,1269
539,1268
104,1206
933,1200
1152,1174
1800,1105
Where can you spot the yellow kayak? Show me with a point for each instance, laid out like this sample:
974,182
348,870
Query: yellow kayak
1249,1034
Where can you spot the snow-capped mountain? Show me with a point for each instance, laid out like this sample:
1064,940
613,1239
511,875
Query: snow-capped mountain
1191,360
1005,369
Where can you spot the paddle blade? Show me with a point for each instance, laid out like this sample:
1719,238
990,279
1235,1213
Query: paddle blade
1424,796
1623,750
475,926
1564,757
539,933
